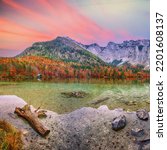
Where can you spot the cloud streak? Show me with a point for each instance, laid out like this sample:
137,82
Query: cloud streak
25,22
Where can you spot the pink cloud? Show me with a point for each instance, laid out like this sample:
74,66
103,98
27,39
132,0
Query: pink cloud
61,19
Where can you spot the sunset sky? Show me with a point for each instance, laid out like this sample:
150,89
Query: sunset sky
23,22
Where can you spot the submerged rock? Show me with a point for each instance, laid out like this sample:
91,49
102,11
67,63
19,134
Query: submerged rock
100,100
142,114
130,103
75,94
119,123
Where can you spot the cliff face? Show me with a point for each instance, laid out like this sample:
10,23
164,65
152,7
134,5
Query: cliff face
134,52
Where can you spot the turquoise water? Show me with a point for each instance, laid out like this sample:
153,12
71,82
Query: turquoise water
127,95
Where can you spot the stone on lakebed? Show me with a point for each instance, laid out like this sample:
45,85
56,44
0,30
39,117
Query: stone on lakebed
75,94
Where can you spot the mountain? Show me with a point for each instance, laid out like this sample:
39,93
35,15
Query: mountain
63,48
66,49
133,52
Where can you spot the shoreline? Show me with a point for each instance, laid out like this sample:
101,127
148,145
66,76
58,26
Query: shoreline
84,128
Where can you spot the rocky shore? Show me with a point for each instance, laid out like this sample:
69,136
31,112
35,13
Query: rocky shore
83,129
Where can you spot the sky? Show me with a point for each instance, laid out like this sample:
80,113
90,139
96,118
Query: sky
23,22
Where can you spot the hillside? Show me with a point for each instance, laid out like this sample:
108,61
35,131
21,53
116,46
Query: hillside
64,49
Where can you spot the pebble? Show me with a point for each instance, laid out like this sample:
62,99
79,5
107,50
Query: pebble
137,132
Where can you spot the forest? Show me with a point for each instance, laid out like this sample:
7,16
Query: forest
28,67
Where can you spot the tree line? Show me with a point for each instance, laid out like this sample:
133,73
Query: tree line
28,67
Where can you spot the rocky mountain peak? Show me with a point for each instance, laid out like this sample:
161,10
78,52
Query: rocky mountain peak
132,51
64,48
94,44
111,43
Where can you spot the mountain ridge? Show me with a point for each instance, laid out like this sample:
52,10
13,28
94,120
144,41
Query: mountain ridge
64,48
132,51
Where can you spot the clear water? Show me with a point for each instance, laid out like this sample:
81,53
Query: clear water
128,95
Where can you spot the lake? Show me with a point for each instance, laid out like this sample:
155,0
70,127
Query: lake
130,95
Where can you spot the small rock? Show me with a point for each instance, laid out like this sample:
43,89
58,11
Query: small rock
137,132
142,114
119,123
